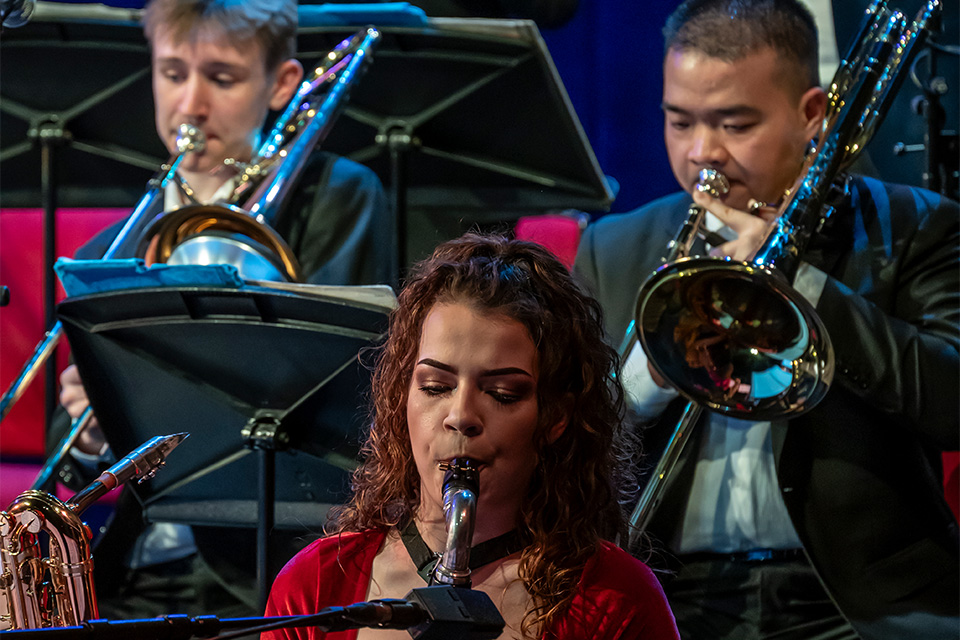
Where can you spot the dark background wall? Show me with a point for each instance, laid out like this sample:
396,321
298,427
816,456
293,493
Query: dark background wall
608,57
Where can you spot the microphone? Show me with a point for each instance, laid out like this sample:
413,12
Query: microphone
452,612
16,13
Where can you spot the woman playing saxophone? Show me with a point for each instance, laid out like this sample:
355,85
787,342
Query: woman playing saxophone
493,356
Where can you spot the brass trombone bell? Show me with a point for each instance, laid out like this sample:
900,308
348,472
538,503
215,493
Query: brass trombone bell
735,337
220,234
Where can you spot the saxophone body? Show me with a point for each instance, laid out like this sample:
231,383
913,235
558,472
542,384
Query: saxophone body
45,592
58,591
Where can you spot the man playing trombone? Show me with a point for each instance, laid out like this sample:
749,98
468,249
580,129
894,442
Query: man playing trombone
221,66
832,523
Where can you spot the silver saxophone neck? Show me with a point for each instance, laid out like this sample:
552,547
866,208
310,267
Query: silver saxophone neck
461,485
140,464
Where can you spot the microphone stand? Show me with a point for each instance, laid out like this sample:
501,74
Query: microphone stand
428,613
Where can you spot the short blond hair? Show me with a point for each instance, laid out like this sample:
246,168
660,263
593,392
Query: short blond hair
272,23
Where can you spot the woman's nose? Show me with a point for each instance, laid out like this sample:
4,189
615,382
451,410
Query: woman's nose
464,415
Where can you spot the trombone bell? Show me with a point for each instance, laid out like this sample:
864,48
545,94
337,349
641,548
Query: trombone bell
735,337
220,234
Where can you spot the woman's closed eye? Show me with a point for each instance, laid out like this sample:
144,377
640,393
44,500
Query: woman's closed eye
500,395
434,389
504,396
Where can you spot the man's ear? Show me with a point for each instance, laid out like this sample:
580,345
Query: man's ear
285,84
813,108
557,429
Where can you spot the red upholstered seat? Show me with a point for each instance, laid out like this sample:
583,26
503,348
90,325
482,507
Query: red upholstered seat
21,322
559,232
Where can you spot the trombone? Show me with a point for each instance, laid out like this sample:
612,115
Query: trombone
225,233
735,337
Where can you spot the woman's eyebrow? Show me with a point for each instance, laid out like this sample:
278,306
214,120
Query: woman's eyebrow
503,371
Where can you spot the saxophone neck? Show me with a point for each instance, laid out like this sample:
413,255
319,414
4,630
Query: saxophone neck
461,485
139,464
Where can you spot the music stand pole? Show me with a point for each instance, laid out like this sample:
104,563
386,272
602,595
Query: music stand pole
49,134
399,143
264,526
264,436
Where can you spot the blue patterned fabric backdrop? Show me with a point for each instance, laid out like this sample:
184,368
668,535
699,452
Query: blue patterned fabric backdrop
609,57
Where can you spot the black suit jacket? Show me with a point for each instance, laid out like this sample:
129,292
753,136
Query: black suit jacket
860,473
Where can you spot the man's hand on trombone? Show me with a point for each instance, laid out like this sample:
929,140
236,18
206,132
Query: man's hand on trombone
751,227
73,397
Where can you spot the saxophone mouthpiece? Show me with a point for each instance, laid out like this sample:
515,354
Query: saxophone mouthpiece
152,455
461,484
142,462
461,473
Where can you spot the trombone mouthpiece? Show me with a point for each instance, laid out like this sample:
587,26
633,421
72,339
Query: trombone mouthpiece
190,139
713,183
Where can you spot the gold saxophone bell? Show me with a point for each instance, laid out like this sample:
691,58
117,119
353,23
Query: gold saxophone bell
58,591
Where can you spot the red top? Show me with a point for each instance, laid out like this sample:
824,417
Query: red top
618,596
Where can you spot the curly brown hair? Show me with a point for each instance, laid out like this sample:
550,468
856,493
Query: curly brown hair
575,497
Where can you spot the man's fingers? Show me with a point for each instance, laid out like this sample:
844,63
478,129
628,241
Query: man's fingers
70,376
762,210
727,215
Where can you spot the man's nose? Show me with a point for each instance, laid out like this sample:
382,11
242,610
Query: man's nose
463,414
194,99
707,147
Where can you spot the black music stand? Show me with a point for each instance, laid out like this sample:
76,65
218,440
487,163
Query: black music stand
70,143
254,369
465,117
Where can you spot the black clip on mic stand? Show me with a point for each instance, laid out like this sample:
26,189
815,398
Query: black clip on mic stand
428,613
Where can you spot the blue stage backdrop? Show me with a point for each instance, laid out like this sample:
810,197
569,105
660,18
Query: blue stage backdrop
609,57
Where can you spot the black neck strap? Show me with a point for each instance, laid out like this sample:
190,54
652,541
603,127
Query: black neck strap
482,554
